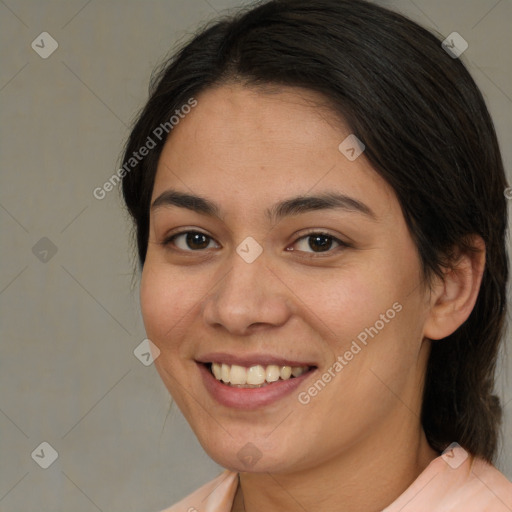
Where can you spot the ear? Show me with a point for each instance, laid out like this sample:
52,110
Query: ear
453,298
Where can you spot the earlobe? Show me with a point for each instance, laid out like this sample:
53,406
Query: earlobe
453,298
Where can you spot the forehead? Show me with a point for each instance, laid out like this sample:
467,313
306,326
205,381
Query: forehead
234,114
263,144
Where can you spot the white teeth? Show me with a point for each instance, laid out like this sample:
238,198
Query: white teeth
217,371
272,374
255,375
237,375
225,373
286,372
297,371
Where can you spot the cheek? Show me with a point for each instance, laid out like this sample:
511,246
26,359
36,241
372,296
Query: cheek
166,300
167,306
367,314
341,302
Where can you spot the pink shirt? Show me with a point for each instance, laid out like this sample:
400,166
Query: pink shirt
453,482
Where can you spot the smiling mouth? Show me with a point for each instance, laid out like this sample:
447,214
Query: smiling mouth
256,376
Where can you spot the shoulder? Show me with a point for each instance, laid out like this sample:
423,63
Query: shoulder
489,488
457,482
214,496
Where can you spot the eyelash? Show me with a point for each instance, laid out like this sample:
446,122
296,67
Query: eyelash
167,242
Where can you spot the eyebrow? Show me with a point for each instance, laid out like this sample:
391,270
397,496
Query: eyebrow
292,206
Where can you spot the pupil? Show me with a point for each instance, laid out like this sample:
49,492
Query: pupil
327,242
194,240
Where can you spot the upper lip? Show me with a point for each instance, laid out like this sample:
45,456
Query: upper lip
249,360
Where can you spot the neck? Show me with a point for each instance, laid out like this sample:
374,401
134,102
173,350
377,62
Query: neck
369,476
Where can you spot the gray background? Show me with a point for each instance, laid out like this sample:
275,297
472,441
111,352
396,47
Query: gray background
70,325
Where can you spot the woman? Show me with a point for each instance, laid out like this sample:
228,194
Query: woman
318,197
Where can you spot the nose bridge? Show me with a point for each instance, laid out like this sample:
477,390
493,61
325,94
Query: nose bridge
248,294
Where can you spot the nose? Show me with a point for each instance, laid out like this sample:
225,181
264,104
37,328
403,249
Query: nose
248,298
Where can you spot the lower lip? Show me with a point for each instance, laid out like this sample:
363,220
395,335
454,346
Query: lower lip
249,398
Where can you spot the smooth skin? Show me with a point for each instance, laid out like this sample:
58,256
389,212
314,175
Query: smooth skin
358,444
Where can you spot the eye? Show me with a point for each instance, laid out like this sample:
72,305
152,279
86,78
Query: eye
318,242
196,241
189,241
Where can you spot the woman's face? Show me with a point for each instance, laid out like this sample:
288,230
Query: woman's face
331,285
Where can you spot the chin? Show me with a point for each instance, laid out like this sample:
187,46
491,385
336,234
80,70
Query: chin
250,454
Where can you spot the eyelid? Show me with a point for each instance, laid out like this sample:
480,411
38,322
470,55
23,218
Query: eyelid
318,231
169,238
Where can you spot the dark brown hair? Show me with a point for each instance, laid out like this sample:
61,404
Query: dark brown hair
427,132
